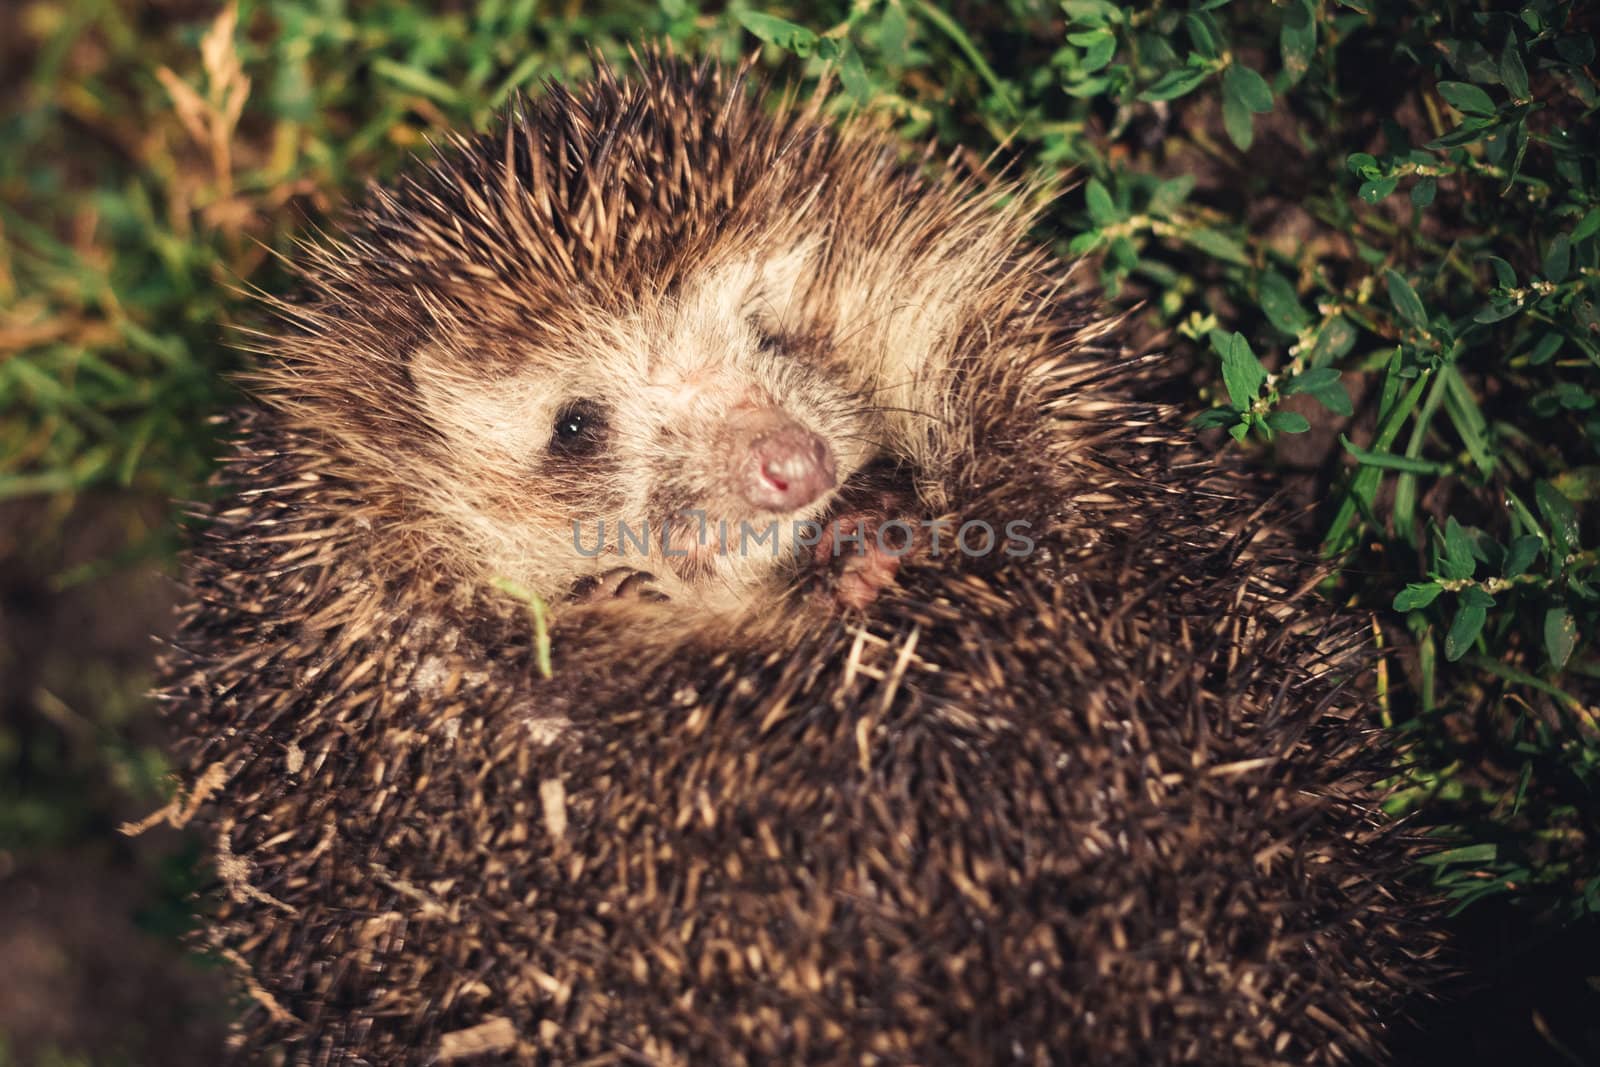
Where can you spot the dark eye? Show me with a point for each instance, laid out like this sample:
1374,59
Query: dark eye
766,340
580,429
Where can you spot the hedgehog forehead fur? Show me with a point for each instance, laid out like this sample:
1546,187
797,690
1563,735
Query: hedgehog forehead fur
660,252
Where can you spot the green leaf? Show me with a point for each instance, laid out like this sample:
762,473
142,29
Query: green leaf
1123,254
1288,421
1466,415
1214,417
1238,122
1545,349
1559,515
1374,191
1312,380
1588,315
1281,305
1099,47
1465,98
1475,855
1363,165
1423,192
1587,227
1085,242
1557,258
1175,83
1248,86
1298,39
1334,339
1334,398
1171,194
1406,301
1093,12
1390,461
1499,309
1217,245
1464,630
1238,430
893,29
1520,555
1560,636
1514,74
1519,138
789,36
1323,384
1458,559
1201,35
1101,208
417,80
1577,49
1504,274
1242,372
853,75
1087,88
1417,595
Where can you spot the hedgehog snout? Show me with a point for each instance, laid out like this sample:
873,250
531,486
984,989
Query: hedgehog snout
783,466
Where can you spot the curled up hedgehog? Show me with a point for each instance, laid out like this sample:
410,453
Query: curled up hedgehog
695,586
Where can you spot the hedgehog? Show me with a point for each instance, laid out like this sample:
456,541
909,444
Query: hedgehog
1073,767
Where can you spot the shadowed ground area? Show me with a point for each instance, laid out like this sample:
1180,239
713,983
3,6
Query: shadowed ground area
91,964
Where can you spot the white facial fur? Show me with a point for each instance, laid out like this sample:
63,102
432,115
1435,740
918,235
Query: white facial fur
669,373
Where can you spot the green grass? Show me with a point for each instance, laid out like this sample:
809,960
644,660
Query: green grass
1367,233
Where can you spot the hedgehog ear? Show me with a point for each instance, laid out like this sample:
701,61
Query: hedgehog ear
778,292
439,384
432,374
504,416
768,293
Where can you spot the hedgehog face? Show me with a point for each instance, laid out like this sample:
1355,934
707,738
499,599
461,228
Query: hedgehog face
698,437
656,328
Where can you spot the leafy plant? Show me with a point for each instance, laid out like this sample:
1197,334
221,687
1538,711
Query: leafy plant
1368,235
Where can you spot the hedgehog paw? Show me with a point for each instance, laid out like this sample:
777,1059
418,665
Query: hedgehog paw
618,583
863,577
862,564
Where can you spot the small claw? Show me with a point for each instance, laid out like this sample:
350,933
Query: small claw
862,578
634,584
616,583
861,565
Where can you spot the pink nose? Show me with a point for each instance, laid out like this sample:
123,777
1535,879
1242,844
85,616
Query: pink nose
787,467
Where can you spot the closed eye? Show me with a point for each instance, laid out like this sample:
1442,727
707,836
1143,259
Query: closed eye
768,341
